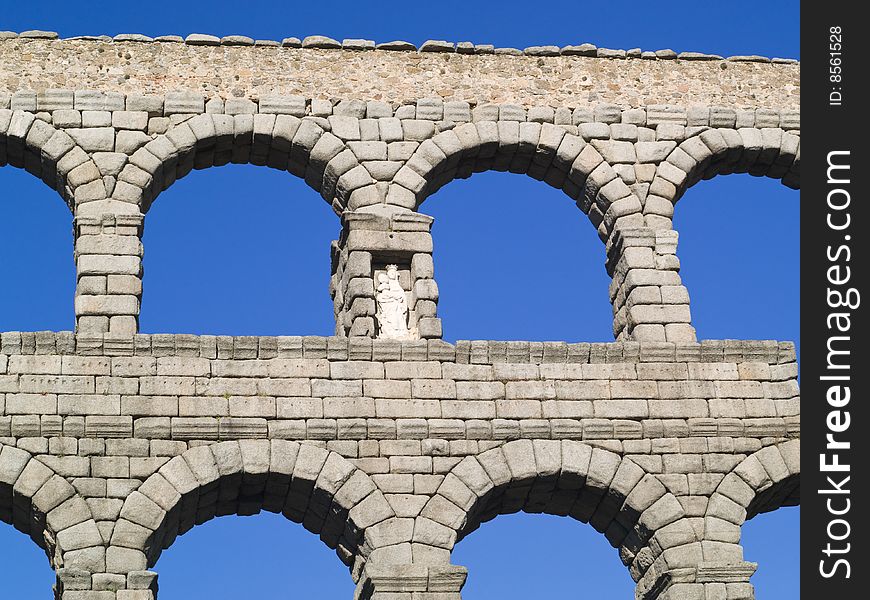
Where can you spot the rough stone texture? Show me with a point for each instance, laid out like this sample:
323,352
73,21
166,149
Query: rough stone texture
114,443
571,79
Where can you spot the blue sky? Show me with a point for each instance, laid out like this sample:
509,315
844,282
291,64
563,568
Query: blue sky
245,250
738,27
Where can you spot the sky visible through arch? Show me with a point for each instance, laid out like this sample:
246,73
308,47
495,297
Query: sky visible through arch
245,250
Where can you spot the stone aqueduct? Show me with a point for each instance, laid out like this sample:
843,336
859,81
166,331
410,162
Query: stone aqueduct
113,443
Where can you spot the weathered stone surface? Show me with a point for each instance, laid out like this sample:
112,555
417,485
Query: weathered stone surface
390,449
775,85
94,139
320,41
202,39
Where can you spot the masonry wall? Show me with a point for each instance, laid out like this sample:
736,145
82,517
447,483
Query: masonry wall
398,76
113,443
674,420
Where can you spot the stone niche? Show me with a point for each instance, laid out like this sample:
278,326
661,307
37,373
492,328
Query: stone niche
395,317
383,282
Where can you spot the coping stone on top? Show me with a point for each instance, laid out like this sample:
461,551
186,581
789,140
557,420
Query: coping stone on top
202,39
320,42
354,44
237,40
397,45
437,46
132,37
38,34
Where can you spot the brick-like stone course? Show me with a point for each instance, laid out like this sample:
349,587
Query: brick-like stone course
104,419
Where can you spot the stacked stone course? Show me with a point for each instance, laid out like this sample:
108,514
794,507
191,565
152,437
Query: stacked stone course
107,430
113,442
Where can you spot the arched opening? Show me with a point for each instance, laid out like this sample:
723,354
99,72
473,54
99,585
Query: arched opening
302,483
265,556
778,574
631,508
739,249
515,259
239,250
41,506
544,556
26,573
774,514
37,271
757,502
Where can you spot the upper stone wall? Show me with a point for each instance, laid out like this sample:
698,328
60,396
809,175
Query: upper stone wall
399,76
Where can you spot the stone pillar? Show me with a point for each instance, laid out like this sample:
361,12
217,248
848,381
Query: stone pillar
411,582
108,253
371,239
649,300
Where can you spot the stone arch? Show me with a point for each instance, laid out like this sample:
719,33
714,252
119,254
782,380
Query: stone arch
301,146
631,507
42,504
545,152
50,154
764,481
320,489
768,152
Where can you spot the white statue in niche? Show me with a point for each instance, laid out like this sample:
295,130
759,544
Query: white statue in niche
392,307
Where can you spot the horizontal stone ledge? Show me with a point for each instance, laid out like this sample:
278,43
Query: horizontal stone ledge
680,443
716,572
138,112
415,578
336,348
